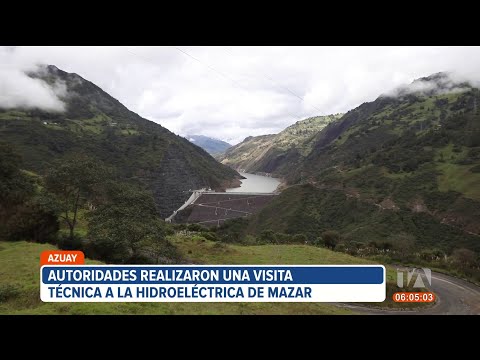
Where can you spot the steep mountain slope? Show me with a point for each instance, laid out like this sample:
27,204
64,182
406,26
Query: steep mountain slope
276,153
211,145
98,125
243,155
407,162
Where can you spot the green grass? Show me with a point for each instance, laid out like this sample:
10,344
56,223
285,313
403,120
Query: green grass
387,110
12,115
201,251
400,175
454,176
129,132
19,270
448,155
459,178
207,252
31,173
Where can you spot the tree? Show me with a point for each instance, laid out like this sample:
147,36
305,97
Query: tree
36,220
15,186
26,212
74,180
330,238
127,229
232,230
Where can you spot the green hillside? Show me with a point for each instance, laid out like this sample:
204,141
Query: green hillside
97,125
419,152
310,210
244,154
277,154
405,166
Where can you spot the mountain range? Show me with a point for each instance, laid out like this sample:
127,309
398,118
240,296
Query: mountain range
276,153
211,145
406,163
96,124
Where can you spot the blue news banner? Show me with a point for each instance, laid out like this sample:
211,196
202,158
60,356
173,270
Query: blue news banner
213,283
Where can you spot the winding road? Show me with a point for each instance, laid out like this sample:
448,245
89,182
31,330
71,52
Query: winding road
454,297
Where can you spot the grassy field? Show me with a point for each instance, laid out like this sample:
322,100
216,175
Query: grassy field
20,294
202,251
19,279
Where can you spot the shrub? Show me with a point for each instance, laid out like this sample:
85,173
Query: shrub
197,238
357,244
475,169
219,245
249,240
351,250
155,251
403,243
33,222
299,238
330,238
196,227
283,238
64,242
463,258
268,236
426,255
180,226
210,236
169,230
340,247
232,230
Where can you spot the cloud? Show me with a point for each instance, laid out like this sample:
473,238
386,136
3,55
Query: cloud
436,84
234,92
18,90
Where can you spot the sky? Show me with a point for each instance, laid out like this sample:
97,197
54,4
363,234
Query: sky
229,92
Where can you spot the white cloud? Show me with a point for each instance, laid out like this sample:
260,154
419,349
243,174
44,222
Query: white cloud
234,92
444,83
19,90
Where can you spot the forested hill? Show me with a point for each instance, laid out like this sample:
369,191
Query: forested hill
277,153
406,163
96,124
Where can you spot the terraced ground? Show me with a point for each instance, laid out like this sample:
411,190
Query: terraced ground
214,209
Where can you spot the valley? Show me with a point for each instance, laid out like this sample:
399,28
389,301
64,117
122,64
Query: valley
393,181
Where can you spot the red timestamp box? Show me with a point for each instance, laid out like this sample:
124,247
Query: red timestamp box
414,297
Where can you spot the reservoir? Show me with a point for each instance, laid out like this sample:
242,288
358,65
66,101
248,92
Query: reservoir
256,183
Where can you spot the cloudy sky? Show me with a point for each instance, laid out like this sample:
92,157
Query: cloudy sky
231,92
